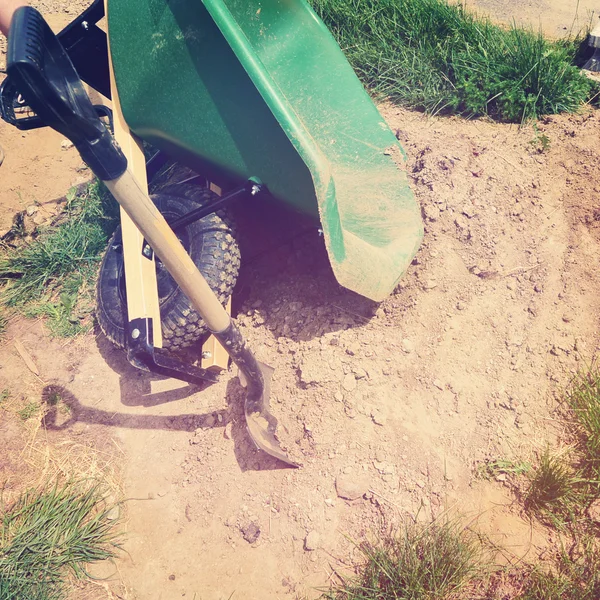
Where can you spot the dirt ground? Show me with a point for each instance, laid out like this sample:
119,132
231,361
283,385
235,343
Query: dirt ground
556,18
396,405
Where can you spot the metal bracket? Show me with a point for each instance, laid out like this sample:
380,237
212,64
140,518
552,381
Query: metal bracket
142,354
252,187
87,47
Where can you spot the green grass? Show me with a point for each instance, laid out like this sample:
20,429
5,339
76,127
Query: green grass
574,574
558,492
28,411
49,535
437,56
422,562
584,401
52,274
491,469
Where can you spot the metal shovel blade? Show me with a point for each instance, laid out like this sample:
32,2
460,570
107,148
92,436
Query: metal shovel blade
262,425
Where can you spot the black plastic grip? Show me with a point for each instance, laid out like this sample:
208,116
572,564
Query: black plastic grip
42,71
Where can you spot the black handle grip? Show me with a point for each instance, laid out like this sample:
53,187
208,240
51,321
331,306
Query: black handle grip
44,74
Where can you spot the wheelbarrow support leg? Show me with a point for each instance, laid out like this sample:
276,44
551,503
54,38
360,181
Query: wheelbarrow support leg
253,374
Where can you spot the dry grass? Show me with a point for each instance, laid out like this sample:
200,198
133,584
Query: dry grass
42,461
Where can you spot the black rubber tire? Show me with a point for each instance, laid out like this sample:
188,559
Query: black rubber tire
211,244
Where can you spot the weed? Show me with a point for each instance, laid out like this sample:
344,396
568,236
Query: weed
421,562
53,274
494,468
3,323
584,400
557,491
437,56
541,142
574,575
48,534
28,411
4,395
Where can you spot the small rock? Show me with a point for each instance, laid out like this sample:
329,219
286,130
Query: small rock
66,144
430,284
39,219
313,370
407,346
209,421
31,210
197,437
227,432
349,382
461,222
171,577
250,532
461,305
312,541
431,212
594,511
384,468
469,211
378,418
538,288
501,477
338,396
114,513
351,486
438,384
353,349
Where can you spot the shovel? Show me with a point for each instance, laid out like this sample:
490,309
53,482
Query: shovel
41,70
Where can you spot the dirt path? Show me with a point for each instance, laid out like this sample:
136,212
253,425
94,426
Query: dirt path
396,405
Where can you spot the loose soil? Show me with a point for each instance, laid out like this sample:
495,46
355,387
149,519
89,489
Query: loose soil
394,405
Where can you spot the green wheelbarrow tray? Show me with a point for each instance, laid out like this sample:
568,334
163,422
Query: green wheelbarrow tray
241,88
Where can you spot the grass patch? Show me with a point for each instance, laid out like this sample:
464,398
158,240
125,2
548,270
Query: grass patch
573,575
558,492
422,562
52,275
494,468
28,411
49,535
584,401
437,56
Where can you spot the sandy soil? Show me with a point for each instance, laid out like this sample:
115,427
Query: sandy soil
395,406
555,17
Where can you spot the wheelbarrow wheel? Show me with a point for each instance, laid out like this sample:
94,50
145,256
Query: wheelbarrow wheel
211,244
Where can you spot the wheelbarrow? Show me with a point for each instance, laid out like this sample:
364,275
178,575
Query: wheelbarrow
257,99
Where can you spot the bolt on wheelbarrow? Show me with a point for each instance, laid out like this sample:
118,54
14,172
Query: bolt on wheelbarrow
258,99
